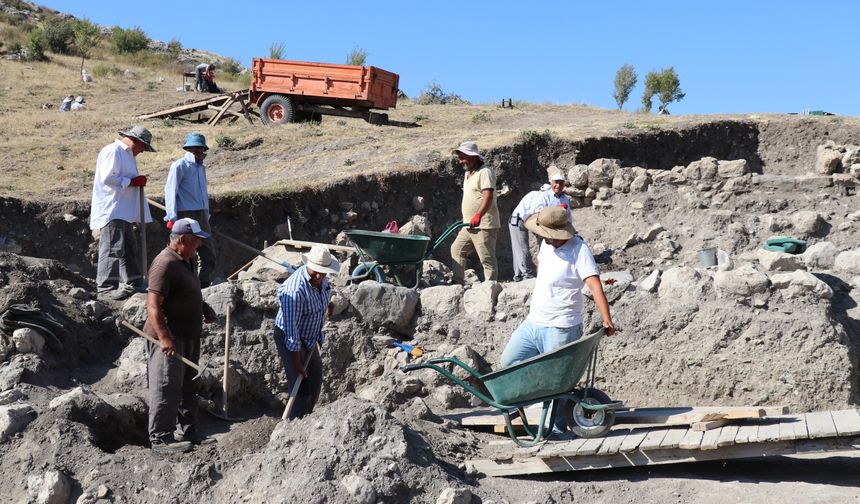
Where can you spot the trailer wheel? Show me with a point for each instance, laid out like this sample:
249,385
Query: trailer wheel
277,109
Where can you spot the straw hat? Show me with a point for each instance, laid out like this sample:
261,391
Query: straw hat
320,260
552,223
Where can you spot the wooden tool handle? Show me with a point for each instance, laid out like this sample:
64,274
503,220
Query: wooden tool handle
294,393
155,342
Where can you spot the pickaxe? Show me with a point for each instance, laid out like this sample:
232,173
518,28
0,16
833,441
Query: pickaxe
199,367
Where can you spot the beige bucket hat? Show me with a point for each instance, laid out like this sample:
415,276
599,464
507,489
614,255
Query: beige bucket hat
552,223
469,149
320,260
140,134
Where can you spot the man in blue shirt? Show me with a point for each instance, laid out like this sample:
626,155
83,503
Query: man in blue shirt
186,195
304,299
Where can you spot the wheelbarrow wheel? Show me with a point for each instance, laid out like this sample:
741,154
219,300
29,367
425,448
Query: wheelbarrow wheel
376,272
587,423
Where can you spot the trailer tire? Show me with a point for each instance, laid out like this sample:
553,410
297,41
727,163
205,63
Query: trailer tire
277,109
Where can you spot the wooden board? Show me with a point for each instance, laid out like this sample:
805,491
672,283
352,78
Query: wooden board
847,422
820,424
589,447
692,440
708,425
727,436
800,430
786,428
612,443
653,439
633,440
710,439
768,431
746,433
673,438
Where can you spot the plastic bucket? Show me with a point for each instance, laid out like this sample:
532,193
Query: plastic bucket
708,257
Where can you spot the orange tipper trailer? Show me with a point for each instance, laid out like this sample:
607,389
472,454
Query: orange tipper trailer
289,90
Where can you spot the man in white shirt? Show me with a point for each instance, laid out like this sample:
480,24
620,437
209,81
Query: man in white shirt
531,204
565,265
115,206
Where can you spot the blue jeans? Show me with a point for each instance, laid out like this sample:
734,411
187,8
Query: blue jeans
529,340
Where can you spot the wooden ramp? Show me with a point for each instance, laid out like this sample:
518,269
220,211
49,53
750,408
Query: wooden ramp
221,104
631,446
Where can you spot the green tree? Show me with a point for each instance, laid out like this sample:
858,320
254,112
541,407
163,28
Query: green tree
357,56
276,50
36,45
129,41
625,79
87,38
58,35
231,66
665,84
174,47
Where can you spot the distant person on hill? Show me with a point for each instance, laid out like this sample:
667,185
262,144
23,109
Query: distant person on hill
186,194
67,103
480,210
205,78
115,207
565,266
79,103
532,203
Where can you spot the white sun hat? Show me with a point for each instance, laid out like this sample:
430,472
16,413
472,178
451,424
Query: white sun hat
320,260
469,149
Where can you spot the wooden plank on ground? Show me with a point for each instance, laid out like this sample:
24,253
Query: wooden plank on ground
692,440
800,430
708,425
589,447
786,428
747,432
710,438
847,422
820,424
673,438
612,442
727,436
563,448
768,430
689,415
633,440
653,439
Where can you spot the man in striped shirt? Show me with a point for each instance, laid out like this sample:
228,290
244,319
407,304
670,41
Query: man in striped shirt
304,300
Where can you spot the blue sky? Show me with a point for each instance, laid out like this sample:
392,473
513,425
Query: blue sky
731,56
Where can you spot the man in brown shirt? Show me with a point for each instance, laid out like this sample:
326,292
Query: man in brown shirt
480,211
175,313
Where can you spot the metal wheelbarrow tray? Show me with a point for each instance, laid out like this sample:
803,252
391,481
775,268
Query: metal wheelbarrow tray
543,379
376,249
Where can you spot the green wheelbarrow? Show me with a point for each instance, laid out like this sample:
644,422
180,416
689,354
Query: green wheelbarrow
376,249
544,379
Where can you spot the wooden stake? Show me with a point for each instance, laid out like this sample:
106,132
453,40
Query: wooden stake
143,260
225,384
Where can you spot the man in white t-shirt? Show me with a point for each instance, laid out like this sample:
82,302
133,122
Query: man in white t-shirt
565,265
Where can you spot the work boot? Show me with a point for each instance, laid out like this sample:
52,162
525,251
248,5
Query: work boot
193,437
118,294
168,445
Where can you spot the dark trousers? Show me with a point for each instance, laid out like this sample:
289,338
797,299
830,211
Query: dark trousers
172,392
119,257
309,390
206,252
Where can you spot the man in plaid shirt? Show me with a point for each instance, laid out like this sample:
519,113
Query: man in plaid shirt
304,299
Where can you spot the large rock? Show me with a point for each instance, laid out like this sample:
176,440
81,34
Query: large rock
28,340
828,158
623,180
681,283
455,496
10,375
385,305
359,489
222,295
744,281
820,256
601,172
640,183
131,371
434,273
848,261
650,282
417,225
7,348
614,283
441,302
705,168
13,418
516,296
779,261
261,296
734,168
479,302
53,487
801,283
134,310
806,222
578,176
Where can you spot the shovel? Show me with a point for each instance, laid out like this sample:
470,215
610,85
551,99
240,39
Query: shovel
295,392
199,367
260,253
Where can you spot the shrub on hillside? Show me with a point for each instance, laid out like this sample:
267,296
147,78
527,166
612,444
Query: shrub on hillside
36,46
434,95
101,71
129,41
59,35
231,66
174,47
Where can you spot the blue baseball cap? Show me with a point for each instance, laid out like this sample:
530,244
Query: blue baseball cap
195,139
188,226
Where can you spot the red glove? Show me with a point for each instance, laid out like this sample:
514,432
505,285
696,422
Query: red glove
476,219
563,205
138,181
169,224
